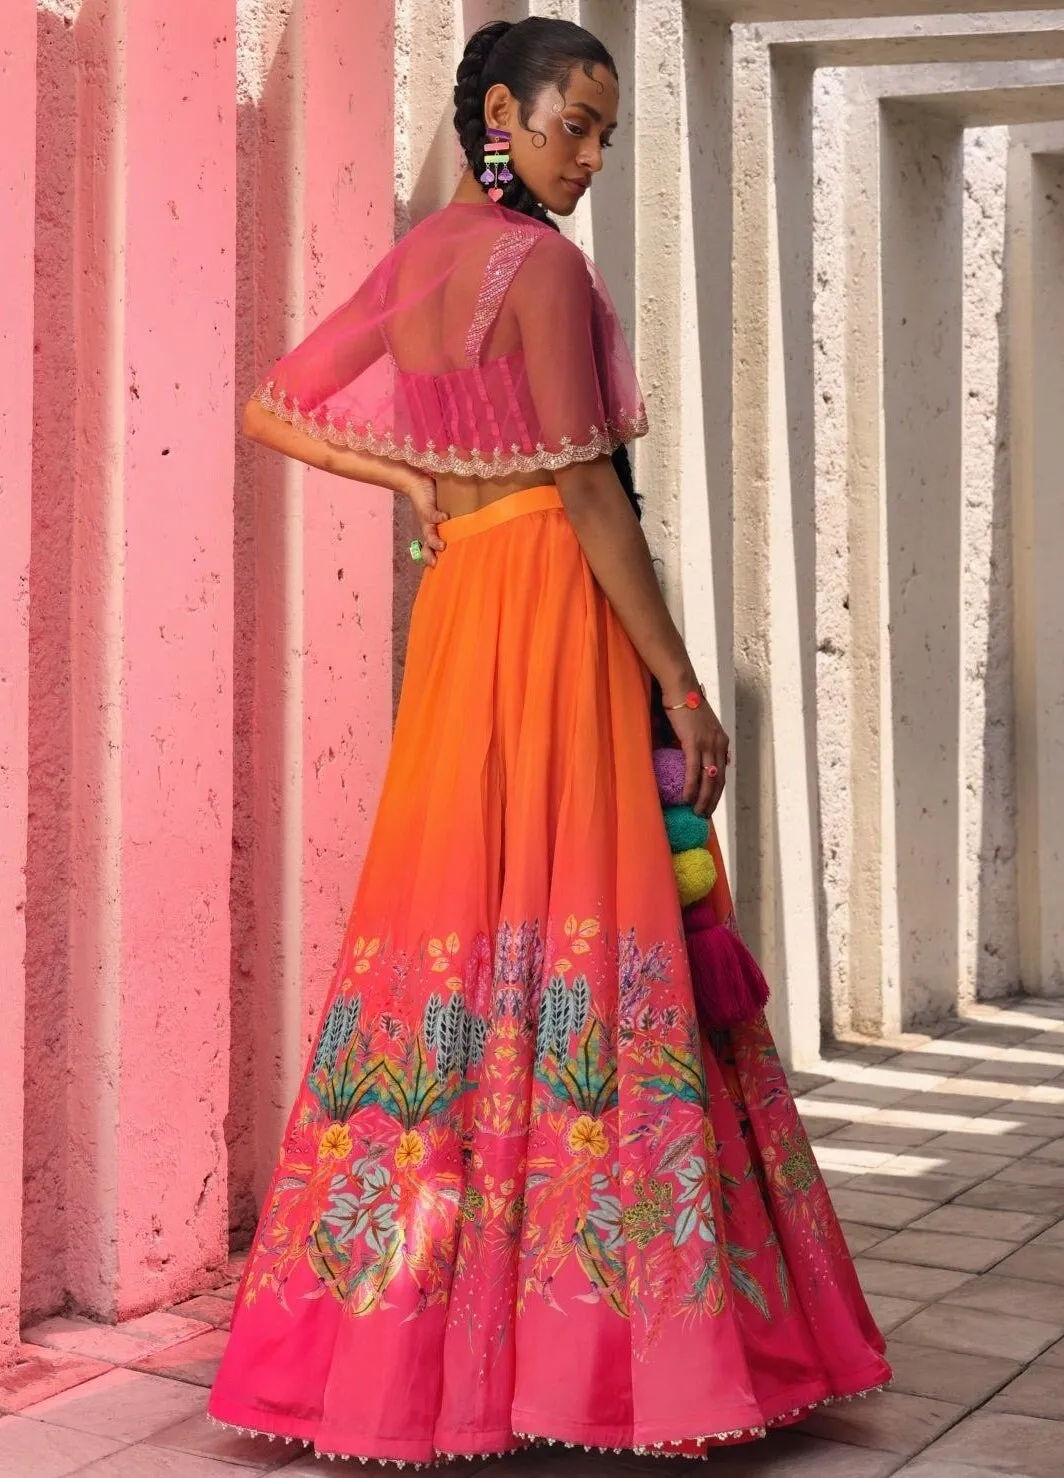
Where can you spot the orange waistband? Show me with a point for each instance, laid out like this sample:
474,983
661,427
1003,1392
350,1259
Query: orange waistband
513,505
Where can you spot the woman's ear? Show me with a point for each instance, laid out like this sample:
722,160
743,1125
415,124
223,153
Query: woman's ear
499,107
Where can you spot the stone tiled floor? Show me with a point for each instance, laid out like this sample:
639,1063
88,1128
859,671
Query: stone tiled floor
946,1158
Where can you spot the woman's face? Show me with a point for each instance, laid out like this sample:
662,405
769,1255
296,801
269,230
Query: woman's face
560,151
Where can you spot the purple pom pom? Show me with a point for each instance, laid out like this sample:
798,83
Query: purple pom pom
669,770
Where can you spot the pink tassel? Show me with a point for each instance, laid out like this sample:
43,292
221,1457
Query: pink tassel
729,987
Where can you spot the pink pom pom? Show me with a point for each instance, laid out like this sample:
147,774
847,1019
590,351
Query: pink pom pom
669,770
728,985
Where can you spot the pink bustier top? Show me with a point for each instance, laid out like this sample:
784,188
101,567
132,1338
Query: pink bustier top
483,344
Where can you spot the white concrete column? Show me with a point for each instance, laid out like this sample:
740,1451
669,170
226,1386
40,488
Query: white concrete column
777,867
873,1001
606,216
833,593
921,204
1036,202
657,85
705,354
987,896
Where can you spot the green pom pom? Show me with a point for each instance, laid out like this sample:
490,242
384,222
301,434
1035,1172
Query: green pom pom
685,829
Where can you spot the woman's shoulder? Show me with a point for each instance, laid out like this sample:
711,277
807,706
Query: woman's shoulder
555,265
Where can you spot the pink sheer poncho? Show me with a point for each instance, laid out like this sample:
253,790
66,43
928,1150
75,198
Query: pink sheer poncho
484,344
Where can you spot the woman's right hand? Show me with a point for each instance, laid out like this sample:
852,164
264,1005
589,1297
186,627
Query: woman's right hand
421,490
706,752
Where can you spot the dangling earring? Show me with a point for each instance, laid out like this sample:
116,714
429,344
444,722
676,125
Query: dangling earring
497,162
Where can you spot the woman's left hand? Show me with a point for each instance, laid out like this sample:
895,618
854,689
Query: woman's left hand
421,490
707,752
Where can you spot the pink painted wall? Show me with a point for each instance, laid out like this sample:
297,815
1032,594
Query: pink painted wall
17,86
314,674
203,678
151,753
52,513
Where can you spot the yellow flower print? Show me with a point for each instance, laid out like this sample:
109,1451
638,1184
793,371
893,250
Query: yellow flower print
335,1143
410,1150
797,1166
649,1213
587,1136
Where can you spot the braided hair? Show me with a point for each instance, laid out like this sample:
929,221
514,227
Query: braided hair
527,57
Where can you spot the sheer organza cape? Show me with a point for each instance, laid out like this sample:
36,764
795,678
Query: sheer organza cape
483,344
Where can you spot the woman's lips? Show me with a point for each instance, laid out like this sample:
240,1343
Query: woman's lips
578,187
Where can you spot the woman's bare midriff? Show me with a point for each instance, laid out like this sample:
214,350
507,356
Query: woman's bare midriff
456,496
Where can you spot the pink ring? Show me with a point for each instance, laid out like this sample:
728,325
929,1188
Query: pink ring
711,771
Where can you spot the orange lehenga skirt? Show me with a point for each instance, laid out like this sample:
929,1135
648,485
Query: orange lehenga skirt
520,1194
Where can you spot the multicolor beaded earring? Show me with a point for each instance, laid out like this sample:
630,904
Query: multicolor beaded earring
497,163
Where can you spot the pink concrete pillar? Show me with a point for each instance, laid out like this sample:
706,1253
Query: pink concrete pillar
18,57
323,666
152,649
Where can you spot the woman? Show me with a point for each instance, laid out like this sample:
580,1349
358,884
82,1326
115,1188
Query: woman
521,1194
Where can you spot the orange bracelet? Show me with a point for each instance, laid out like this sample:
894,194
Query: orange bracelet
695,698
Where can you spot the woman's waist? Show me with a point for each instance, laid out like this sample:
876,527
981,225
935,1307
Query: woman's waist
501,509
460,496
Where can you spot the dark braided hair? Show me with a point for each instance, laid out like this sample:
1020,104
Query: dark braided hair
527,57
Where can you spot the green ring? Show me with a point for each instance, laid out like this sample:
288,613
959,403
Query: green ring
417,554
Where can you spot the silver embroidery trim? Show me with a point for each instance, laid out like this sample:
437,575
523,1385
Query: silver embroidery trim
507,254
601,442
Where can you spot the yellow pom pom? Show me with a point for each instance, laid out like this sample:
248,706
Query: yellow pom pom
696,873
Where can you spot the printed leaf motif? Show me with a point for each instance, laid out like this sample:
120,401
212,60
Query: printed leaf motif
685,1225
581,997
749,1288
433,1009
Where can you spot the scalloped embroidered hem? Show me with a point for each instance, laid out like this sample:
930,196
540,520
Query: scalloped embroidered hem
601,442
525,1440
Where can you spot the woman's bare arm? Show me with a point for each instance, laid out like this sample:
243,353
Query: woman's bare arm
263,426
615,548
269,430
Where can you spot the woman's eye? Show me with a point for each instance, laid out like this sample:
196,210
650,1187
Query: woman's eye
573,128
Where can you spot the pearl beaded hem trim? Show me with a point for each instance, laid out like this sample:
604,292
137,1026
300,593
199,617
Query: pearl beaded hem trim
530,1439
